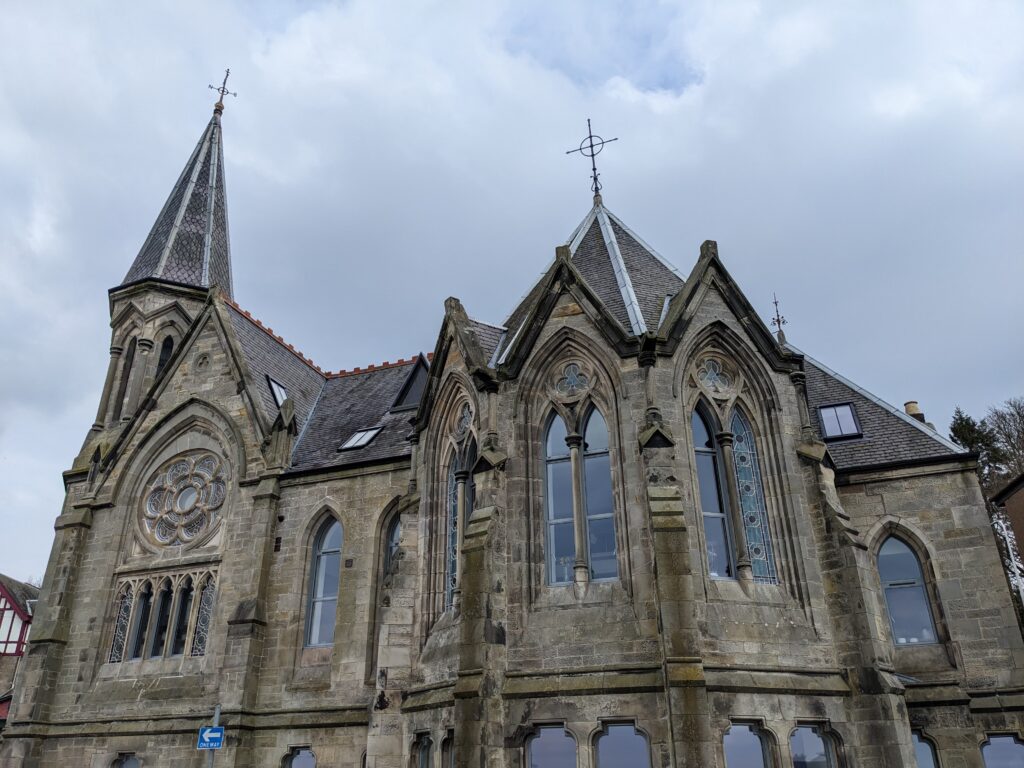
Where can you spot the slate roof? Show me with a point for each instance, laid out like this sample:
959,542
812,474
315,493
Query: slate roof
888,434
628,276
20,592
351,402
188,243
269,355
487,336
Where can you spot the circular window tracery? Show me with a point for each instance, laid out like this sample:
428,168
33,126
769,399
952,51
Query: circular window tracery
183,498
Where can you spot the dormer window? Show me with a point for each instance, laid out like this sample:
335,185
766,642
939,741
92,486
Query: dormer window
278,391
838,421
360,439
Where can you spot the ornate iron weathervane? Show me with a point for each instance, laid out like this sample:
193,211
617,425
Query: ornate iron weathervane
590,147
223,91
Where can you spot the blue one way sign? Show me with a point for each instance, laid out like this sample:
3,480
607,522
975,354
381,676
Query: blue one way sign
211,737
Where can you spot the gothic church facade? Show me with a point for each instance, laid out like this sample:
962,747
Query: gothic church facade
627,525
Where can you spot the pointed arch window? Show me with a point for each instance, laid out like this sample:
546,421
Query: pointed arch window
126,369
166,350
392,542
163,619
124,612
204,616
141,624
181,617
325,576
751,499
718,541
561,548
906,595
460,470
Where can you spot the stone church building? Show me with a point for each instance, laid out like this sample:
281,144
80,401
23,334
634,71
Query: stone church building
624,526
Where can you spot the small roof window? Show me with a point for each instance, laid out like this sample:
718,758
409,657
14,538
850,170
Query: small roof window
278,391
839,421
360,439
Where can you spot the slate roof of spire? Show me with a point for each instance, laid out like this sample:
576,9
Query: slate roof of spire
189,244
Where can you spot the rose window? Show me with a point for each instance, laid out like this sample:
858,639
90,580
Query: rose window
183,499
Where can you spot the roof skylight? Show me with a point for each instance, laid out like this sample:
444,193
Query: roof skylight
278,391
360,439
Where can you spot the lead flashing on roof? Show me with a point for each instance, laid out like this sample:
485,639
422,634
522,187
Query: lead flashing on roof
636,318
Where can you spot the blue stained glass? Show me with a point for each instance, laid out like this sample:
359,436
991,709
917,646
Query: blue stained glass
752,504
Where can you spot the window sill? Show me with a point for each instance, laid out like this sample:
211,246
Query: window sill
162,667
564,596
732,591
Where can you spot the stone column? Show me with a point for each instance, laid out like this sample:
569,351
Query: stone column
799,380
581,571
739,532
460,526
136,378
104,408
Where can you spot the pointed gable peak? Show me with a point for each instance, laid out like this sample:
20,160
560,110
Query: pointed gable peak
188,244
629,276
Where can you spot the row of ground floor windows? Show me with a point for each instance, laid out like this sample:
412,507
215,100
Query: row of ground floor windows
623,746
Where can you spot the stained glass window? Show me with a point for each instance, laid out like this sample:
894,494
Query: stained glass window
124,612
906,596
752,504
141,622
203,618
323,592
451,560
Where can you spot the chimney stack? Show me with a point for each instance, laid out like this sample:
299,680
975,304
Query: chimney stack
912,409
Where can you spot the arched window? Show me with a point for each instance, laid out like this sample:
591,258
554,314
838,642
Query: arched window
424,752
163,619
622,746
141,624
811,748
325,574
451,549
204,615
392,540
166,350
448,752
551,747
126,369
744,747
597,492
712,499
181,616
124,612
906,596
300,757
924,751
1003,752
126,760
751,498
561,540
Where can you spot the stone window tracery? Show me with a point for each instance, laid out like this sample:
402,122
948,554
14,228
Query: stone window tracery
183,500
752,503
592,519
176,623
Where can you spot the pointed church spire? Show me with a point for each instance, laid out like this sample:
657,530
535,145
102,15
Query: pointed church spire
188,244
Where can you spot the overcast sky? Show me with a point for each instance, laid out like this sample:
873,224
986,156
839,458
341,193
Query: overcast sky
863,160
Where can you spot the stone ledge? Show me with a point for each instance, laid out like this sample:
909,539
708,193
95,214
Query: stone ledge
429,697
731,680
561,683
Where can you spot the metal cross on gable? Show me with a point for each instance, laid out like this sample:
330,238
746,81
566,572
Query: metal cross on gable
778,321
590,147
223,91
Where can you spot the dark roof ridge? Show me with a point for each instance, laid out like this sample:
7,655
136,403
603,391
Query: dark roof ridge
270,332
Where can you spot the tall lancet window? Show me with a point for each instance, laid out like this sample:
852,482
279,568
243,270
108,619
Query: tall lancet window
751,499
325,575
561,539
596,516
713,504
451,558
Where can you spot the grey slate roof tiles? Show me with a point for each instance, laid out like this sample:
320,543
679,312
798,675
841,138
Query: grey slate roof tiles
266,355
888,435
652,280
189,242
487,336
349,403
592,260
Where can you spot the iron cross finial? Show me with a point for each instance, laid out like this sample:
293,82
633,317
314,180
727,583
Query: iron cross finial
778,321
222,91
590,147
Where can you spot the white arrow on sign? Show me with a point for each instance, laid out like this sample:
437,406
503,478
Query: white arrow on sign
207,735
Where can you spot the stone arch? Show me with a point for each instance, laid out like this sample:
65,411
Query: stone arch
194,426
379,580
